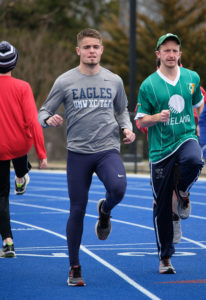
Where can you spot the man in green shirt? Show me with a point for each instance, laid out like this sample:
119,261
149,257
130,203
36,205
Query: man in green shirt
165,105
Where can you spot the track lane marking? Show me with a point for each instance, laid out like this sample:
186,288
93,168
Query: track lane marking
99,259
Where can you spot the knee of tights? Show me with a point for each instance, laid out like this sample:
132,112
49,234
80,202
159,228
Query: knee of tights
117,193
77,212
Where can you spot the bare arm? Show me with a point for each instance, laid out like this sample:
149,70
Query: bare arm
151,120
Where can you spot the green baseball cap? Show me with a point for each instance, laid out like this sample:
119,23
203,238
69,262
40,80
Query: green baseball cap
164,37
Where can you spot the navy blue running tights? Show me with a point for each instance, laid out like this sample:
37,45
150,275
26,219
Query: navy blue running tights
80,167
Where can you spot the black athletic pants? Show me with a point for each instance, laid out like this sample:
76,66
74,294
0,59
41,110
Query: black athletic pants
188,157
21,167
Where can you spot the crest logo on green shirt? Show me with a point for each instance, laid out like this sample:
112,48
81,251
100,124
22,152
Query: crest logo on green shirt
191,87
176,104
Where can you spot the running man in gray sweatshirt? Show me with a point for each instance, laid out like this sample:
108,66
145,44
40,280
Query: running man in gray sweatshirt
95,106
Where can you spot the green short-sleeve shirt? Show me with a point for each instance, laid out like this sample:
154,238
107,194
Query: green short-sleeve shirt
179,96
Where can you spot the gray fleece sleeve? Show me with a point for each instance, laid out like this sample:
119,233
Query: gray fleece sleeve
120,107
52,103
123,119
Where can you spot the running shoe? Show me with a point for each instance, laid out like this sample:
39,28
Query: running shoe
177,231
20,188
166,267
8,251
75,277
183,205
103,226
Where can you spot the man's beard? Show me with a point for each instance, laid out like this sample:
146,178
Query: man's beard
91,64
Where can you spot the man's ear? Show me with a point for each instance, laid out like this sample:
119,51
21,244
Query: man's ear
157,54
78,51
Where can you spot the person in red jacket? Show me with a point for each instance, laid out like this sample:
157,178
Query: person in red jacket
19,131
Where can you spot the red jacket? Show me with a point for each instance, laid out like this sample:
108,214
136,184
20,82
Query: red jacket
19,125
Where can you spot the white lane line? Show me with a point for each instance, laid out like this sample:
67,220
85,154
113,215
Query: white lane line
94,201
87,215
113,220
36,195
53,255
99,259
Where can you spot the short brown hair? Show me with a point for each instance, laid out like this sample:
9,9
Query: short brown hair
88,32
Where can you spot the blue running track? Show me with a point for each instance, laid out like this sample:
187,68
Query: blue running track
125,266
